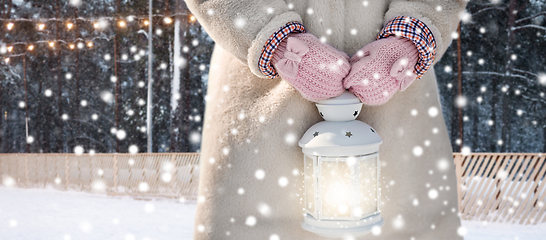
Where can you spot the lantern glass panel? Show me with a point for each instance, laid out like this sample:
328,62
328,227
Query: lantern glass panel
310,181
336,188
368,178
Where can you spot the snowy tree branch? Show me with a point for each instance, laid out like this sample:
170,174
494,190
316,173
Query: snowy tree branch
486,73
501,74
531,17
489,8
525,72
528,26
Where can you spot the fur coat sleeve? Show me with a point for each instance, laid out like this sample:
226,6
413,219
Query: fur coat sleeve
441,17
242,27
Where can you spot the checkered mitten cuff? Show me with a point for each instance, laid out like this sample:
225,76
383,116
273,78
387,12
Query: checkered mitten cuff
416,31
271,45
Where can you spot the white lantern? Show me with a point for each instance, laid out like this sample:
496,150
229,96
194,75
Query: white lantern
341,171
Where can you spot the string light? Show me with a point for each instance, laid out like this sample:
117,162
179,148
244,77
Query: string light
122,23
41,26
10,48
90,44
192,18
31,47
7,60
96,25
69,25
10,26
146,22
52,44
167,20
72,46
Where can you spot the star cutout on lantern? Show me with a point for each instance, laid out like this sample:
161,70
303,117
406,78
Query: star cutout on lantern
348,134
356,113
315,134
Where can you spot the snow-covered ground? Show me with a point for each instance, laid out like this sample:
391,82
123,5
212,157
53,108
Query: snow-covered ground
27,214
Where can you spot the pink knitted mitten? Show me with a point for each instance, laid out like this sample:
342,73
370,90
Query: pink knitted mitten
313,68
381,68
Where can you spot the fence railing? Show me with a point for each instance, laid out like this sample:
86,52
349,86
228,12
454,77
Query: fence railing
493,187
501,187
172,175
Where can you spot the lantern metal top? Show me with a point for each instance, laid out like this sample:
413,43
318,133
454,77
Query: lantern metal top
340,134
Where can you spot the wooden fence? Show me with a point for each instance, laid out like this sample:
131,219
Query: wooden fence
172,175
493,187
501,187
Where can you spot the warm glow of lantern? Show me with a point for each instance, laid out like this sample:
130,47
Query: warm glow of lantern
10,26
41,26
52,44
31,47
167,20
69,25
146,22
122,23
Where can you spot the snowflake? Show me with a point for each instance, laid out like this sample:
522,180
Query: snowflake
133,149
250,221
542,78
264,209
376,230
398,222
98,185
240,23
465,17
433,194
121,134
461,101
283,181
8,181
462,231
442,164
433,111
417,151
259,174
143,187
465,151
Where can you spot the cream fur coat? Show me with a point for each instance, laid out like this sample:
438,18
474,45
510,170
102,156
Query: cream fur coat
251,122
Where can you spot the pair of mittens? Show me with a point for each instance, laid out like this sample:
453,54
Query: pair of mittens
318,71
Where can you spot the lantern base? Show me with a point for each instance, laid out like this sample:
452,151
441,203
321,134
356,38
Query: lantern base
341,228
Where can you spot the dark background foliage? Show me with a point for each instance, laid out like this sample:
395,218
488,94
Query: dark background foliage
90,96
